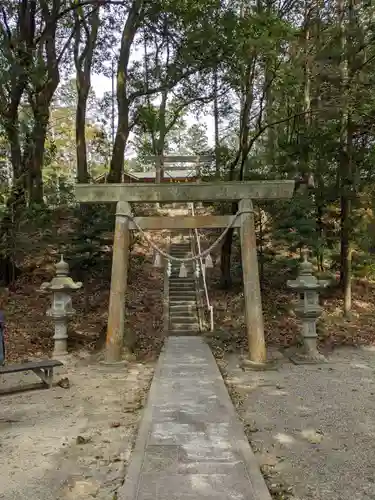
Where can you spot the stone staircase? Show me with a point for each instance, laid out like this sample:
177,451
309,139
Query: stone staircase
183,311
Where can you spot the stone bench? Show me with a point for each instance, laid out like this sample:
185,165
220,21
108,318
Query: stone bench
43,369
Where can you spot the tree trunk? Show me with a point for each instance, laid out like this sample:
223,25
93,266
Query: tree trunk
225,259
320,201
159,143
41,93
81,149
306,91
320,228
83,59
35,156
118,154
345,258
18,194
216,125
347,69
269,97
247,98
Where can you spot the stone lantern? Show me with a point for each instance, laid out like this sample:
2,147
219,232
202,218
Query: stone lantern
308,310
61,309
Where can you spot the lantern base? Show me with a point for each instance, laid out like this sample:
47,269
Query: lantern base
305,359
309,356
59,352
60,337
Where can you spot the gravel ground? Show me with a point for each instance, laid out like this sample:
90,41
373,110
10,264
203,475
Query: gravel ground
312,427
70,443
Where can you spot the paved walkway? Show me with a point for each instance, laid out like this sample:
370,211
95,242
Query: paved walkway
191,444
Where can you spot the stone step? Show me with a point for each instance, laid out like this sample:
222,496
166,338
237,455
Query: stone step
186,289
182,283
188,294
176,279
182,286
182,303
176,269
182,306
182,333
182,291
184,328
176,276
183,319
178,326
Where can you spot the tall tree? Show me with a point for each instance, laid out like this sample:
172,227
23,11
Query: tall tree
124,99
45,77
86,27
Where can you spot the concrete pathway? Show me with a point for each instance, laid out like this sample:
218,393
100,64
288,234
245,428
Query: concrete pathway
191,444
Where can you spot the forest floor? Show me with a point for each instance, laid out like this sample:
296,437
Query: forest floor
311,427
281,325
71,442
29,331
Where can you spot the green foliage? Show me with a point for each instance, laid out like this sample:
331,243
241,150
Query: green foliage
295,225
89,244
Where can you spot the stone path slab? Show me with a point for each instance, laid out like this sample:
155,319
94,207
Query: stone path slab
191,444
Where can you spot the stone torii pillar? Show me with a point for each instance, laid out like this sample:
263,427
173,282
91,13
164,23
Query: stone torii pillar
244,192
251,286
119,279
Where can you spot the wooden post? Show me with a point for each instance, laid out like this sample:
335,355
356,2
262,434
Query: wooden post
116,313
253,300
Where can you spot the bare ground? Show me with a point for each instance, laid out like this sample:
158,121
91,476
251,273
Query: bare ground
70,443
312,427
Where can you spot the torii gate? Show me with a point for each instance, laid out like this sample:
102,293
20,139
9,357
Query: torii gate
161,161
242,192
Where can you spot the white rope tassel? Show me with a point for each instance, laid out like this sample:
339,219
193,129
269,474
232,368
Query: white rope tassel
197,270
183,271
157,260
169,269
208,262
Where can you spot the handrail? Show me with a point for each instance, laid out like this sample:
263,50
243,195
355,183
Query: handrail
209,306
